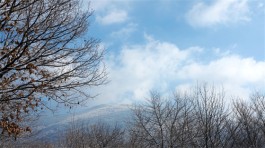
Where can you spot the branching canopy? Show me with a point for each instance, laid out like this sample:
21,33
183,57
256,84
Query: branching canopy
44,55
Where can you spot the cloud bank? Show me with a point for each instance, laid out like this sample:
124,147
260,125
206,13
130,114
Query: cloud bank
162,66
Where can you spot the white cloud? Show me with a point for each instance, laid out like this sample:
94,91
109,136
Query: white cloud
219,12
100,4
110,11
229,68
115,16
162,66
140,68
103,5
239,76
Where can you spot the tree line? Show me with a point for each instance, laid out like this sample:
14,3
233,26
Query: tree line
200,117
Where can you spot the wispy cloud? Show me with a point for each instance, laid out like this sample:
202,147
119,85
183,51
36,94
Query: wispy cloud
218,12
115,16
125,32
110,11
103,5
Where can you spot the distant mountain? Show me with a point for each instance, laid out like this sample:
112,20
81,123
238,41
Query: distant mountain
50,127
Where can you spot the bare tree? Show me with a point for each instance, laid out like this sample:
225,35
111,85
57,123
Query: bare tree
198,118
162,122
249,119
258,106
98,135
44,56
75,136
103,135
211,116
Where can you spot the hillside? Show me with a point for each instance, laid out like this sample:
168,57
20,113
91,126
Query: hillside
50,127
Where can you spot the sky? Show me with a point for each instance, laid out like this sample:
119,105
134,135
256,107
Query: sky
169,45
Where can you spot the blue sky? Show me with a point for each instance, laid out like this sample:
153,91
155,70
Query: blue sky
169,45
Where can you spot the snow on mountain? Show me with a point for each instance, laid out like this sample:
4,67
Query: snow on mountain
50,128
